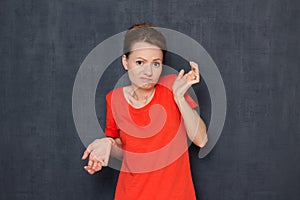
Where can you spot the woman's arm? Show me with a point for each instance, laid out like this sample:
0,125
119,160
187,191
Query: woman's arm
116,149
194,125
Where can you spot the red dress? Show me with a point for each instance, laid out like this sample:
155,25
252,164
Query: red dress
155,156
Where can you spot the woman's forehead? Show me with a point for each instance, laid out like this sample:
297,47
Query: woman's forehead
147,54
143,45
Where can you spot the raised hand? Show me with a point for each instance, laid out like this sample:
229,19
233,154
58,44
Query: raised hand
184,81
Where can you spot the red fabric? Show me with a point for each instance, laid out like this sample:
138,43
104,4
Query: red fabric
156,162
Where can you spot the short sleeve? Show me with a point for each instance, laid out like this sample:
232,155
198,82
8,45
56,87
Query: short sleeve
190,100
111,129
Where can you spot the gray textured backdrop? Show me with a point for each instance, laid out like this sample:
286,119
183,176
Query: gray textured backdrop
254,43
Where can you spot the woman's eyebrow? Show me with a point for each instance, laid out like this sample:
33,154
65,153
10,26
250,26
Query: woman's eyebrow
146,59
141,58
157,59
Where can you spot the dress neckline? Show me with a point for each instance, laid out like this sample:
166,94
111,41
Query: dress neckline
139,108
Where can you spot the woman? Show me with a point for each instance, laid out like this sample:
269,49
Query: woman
147,123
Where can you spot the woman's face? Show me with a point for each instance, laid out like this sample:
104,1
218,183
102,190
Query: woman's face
144,65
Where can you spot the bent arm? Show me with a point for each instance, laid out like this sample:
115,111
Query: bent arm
195,127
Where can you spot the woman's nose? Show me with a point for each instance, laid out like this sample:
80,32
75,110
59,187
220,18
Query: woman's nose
148,69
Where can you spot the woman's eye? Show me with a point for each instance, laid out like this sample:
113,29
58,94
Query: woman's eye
139,62
156,64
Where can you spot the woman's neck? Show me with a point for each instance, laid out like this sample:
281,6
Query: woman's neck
141,94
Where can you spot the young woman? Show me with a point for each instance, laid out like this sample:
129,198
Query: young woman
147,123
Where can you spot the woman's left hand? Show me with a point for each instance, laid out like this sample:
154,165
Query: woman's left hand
184,81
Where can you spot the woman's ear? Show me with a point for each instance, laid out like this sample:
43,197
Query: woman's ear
124,62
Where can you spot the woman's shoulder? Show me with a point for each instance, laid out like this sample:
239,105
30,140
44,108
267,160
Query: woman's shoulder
167,80
115,91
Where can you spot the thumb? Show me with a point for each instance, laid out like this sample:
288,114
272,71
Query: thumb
85,154
180,74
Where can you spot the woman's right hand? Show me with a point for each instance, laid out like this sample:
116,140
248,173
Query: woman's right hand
99,153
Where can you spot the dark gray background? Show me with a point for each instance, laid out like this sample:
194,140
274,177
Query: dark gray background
255,45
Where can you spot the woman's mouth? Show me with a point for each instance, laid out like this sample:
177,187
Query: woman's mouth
144,79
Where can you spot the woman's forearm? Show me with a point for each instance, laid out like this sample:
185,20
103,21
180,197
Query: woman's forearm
195,127
116,148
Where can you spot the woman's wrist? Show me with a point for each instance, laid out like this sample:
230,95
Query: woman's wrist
179,99
113,142
116,150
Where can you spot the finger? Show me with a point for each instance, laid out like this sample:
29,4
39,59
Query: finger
195,78
85,154
180,74
95,164
192,77
87,168
91,171
98,167
189,76
90,163
192,82
194,67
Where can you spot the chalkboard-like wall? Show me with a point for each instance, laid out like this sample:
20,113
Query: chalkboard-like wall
255,45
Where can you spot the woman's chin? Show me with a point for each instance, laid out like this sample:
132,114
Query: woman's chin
147,85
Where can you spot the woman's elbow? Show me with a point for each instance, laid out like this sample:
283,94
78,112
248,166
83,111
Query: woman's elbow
201,142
